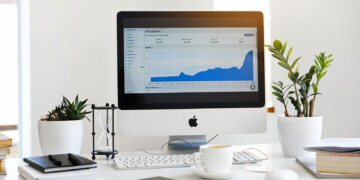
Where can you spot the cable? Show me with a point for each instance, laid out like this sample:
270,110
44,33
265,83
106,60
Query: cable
212,138
147,152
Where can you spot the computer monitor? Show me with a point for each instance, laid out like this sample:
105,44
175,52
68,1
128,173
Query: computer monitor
190,73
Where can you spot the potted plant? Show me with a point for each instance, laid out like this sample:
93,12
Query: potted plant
303,127
61,130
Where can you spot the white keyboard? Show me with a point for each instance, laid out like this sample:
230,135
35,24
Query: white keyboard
125,161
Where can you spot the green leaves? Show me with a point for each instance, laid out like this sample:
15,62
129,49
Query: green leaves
277,44
75,110
278,50
294,63
322,62
289,53
283,48
282,93
284,64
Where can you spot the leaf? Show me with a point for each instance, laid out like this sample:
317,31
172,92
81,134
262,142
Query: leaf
329,56
322,75
315,89
297,69
276,83
277,94
296,74
313,94
294,63
290,76
273,50
317,64
283,48
283,64
266,45
277,44
278,56
66,100
329,61
281,83
289,53
276,89
77,100
287,88
281,100
293,77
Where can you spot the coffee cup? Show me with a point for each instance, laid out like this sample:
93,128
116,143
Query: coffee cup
214,158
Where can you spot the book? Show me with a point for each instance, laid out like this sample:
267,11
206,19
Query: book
5,141
4,151
340,163
310,165
336,145
29,173
2,165
46,165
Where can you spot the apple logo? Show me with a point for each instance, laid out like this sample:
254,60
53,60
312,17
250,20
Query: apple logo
192,122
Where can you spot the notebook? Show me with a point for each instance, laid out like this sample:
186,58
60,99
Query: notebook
336,145
45,165
30,173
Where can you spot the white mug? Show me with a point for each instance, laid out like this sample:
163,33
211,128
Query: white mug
214,158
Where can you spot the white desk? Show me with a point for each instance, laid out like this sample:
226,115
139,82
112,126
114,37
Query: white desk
106,170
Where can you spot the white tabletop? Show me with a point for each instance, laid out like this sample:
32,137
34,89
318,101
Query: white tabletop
106,170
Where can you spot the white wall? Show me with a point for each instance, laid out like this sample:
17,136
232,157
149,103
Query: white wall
73,51
331,26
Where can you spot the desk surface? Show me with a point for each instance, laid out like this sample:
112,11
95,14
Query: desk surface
106,170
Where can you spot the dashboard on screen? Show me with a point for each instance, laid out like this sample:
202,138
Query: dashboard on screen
174,60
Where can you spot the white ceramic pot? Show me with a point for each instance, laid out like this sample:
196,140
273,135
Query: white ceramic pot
59,137
297,132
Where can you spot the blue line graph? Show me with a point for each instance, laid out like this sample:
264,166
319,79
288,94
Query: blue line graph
245,73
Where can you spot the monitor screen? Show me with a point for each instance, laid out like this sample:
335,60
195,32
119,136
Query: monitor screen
176,60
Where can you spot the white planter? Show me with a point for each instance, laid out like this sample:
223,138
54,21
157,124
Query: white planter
297,132
59,137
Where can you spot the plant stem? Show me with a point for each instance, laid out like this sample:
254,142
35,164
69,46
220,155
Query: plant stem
312,103
286,111
297,99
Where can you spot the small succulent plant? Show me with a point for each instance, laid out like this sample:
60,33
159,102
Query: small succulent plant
68,111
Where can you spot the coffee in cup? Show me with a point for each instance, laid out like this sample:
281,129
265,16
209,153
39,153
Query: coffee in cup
214,158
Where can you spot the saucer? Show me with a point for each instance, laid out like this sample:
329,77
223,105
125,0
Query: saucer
213,175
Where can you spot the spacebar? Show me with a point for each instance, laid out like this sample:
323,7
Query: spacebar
167,165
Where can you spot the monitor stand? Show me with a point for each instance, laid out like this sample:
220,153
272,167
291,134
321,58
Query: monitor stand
177,146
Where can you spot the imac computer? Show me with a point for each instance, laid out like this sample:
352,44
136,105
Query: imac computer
190,73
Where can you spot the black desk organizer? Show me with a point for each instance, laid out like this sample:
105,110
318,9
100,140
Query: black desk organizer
107,108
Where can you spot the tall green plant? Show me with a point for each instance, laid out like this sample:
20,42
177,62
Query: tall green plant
302,84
